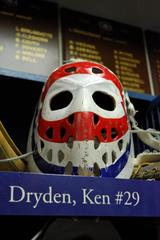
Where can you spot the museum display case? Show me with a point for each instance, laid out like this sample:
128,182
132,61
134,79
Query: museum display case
35,39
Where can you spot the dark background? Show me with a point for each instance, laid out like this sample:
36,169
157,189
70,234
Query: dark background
18,100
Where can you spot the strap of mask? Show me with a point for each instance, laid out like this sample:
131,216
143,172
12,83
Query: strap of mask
17,157
150,137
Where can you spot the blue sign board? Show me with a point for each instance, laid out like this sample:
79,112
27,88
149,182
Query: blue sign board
45,194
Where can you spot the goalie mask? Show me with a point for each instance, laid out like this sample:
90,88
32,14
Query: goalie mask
81,125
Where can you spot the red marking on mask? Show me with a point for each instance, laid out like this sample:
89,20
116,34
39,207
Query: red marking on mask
83,126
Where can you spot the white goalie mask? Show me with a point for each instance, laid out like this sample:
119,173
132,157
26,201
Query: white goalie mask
81,125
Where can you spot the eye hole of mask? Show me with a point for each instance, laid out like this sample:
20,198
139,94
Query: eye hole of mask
60,100
104,101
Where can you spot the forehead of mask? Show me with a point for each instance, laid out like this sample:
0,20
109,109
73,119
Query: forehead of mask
79,90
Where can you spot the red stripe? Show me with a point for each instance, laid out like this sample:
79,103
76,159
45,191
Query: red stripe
83,128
